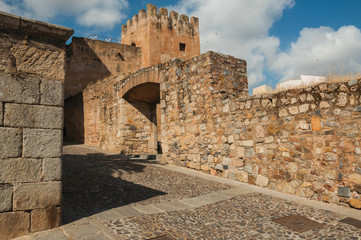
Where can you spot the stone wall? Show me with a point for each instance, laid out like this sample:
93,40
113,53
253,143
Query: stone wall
304,142
91,60
115,122
31,121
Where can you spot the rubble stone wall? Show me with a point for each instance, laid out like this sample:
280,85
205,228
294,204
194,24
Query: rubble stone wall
131,126
31,122
304,142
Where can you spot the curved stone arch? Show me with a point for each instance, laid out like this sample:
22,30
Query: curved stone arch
141,78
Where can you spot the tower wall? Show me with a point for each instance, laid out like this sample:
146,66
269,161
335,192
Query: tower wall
162,36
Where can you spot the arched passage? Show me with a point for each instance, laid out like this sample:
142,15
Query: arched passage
145,97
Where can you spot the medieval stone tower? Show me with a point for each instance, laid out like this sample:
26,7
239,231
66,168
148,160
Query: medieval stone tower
162,37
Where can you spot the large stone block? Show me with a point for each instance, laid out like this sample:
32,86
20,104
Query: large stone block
10,142
19,89
6,195
29,196
52,169
42,219
13,224
20,170
42,143
21,115
47,62
52,93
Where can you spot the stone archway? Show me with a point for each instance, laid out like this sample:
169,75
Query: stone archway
147,95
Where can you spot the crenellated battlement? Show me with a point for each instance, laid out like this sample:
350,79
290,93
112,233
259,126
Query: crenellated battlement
172,21
162,36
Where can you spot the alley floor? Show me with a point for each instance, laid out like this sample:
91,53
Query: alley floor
109,196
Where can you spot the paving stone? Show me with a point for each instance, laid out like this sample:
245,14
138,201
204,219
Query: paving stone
54,234
192,202
234,192
243,217
107,215
84,230
166,207
127,211
146,209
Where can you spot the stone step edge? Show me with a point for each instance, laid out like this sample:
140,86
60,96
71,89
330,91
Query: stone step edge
162,207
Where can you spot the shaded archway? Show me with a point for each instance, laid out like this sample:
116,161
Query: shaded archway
148,94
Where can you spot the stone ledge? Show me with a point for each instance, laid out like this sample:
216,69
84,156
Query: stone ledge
29,26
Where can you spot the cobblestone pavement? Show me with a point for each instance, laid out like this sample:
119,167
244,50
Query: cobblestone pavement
95,181
166,202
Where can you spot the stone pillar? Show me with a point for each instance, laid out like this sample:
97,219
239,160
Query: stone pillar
32,74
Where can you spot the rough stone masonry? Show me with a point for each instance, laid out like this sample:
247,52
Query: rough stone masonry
157,96
304,142
31,121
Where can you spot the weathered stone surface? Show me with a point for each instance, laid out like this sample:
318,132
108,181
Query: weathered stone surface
343,191
355,178
316,123
42,219
18,89
262,181
42,143
52,93
13,224
20,170
29,196
21,115
6,195
355,203
11,142
357,188
52,169
1,114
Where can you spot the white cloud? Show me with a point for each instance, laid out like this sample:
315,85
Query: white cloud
320,51
97,13
239,28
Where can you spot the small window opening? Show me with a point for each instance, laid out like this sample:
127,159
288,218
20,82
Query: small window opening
133,44
182,47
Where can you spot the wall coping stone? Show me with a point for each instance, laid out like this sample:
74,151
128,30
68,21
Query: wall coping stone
33,27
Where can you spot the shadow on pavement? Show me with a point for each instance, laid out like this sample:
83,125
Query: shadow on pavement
93,183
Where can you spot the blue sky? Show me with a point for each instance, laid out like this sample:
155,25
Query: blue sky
279,39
